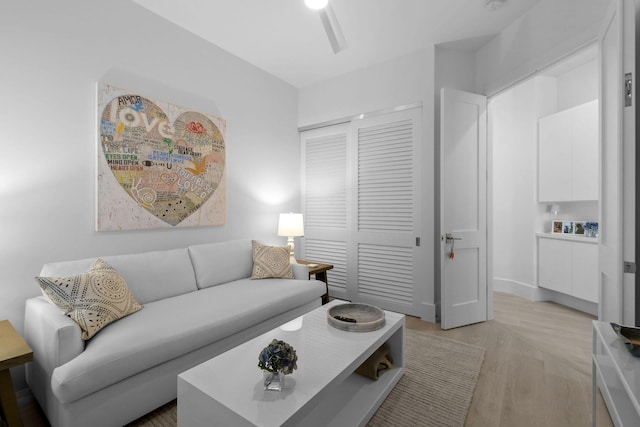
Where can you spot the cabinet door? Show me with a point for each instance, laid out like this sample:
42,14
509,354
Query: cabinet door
585,271
584,156
554,158
554,265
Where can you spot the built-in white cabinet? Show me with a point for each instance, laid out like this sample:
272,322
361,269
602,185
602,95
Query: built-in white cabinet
568,155
569,267
554,265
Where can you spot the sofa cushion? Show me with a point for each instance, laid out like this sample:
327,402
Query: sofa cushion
92,299
271,261
172,327
151,276
216,263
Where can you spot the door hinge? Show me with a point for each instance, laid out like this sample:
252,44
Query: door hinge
417,241
630,267
628,90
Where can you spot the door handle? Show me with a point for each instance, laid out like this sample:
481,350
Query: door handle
449,237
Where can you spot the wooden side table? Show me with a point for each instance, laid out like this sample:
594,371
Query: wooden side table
14,351
320,270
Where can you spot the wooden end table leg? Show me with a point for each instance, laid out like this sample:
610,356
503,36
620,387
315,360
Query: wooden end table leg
322,276
8,400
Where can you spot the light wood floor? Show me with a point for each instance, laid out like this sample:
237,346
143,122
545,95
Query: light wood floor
536,371
537,366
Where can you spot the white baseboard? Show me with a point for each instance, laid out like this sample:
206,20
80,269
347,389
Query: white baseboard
535,293
573,302
532,293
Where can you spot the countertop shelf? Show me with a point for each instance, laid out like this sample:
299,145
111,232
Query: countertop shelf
570,237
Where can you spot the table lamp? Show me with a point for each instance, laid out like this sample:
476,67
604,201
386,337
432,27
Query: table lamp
290,225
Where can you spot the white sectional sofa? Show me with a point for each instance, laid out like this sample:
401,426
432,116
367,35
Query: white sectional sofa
198,302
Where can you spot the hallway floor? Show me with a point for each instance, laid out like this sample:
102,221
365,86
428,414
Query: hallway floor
537,367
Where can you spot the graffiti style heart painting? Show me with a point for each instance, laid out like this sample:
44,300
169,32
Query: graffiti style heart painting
159,164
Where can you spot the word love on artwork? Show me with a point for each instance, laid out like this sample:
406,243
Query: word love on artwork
169,160
129,117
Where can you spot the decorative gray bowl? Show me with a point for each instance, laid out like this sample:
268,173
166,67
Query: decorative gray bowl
630,337
355,317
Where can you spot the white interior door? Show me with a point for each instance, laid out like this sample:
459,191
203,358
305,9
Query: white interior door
463,208
617,57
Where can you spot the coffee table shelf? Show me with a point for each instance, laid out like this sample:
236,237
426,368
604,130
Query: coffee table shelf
356,401
324,391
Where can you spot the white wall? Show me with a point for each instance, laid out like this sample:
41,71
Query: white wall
517,216
406,80
513,131
549,31
53,53
578,86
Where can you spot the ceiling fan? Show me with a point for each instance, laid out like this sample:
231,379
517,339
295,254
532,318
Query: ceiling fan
330,23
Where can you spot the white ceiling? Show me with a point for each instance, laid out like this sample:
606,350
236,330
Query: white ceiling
286,39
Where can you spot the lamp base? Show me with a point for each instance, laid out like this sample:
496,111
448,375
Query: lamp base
292,257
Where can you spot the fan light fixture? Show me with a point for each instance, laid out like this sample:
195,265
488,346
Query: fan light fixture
330,23
493,4
316,4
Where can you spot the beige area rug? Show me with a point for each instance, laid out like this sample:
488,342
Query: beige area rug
435,390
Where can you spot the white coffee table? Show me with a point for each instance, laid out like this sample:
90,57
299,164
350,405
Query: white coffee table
324,391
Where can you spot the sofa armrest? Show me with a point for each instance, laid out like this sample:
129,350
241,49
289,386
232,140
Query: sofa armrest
54,338
300,271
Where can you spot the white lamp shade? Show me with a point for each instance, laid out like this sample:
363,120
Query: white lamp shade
290,224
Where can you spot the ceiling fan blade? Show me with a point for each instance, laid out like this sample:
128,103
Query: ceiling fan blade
332,28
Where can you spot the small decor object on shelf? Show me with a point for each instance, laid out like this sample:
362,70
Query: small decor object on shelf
277,360
557,227
591,229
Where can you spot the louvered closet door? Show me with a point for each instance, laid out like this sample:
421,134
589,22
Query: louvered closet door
386,217
361,200
324,185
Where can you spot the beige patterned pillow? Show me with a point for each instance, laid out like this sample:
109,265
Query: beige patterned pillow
92,299
270,261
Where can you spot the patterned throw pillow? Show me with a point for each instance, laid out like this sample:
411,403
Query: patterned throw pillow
92,299
270,261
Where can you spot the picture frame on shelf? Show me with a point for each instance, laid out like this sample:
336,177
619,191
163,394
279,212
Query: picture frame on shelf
567,227
556,227
578,228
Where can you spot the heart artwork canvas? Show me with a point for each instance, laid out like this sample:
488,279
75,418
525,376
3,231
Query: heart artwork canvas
160,165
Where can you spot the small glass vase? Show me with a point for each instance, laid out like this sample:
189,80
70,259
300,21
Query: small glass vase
273,381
